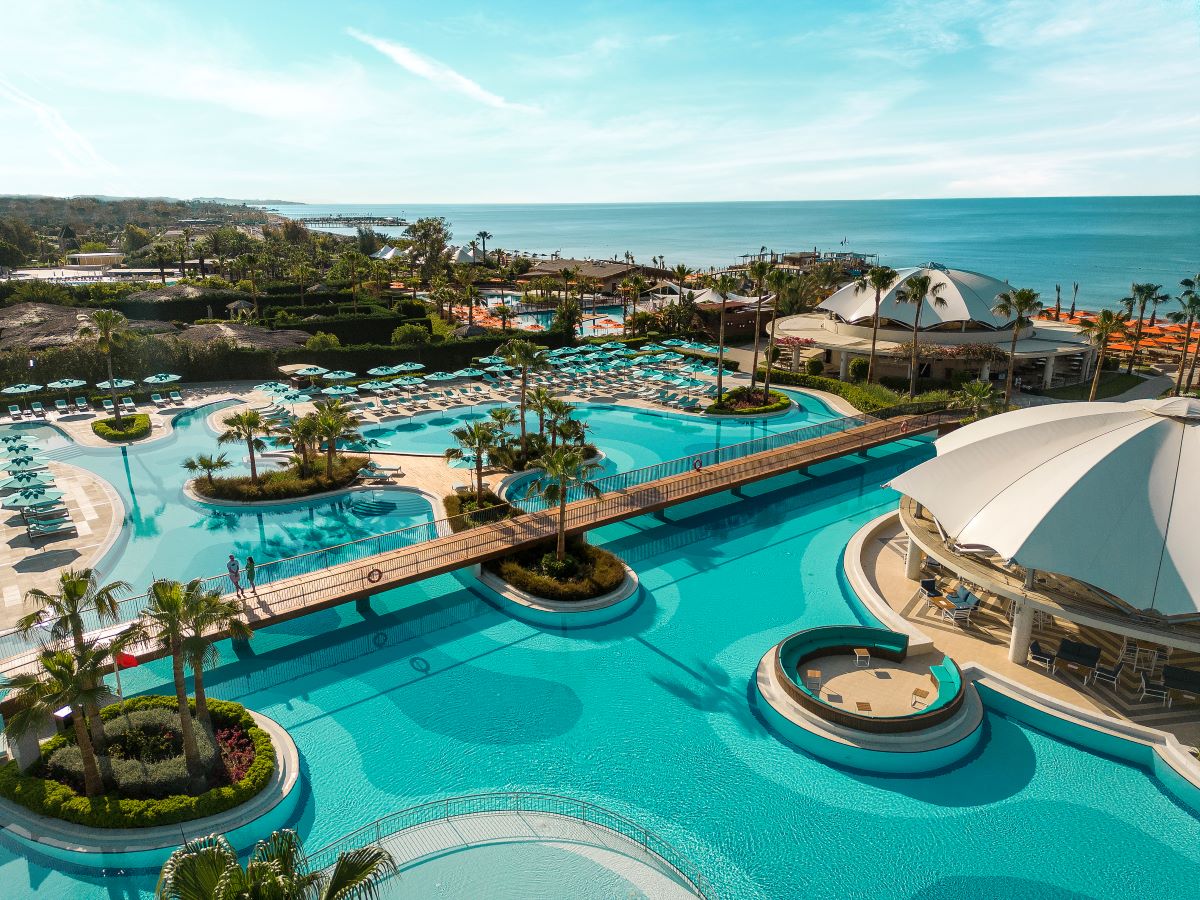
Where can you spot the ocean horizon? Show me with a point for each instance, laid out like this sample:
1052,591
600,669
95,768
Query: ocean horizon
1103,243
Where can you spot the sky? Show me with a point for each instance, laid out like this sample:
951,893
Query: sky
600,101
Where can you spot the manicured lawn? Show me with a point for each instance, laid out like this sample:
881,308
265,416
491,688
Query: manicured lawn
1111,384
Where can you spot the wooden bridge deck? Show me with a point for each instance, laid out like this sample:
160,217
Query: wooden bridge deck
288,598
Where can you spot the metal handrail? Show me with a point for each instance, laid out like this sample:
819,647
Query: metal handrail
623,493
513,801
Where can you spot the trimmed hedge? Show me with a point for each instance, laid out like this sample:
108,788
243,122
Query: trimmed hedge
779,403
460,510
598,573
57,800
863,397
282,484
133,427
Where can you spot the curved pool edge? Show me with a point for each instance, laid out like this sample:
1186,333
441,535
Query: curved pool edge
538,611
101,848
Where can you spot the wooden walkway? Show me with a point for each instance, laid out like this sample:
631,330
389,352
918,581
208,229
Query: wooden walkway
289,598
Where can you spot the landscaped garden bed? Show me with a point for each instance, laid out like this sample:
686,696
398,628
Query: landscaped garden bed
146,781
465,511
743,401
280,484
132,427
585,573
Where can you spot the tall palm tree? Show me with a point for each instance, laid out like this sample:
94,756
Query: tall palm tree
208,869
207,464
539,398
758,271
1141,296
80,595
724,285
208,613
64,679
564,469
524,356
631,290
161,255
779,281
249,427
557,412
1100,331
567,275
1190,298
483,237
503,312
464,277
108,326
474,439
916,290
301,433
877,279
356,265
681,273
334,423
1019,306
502,417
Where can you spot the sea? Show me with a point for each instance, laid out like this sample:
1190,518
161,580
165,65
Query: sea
1102,243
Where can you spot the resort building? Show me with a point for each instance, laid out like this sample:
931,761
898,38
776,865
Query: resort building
103,259
958,333
609,273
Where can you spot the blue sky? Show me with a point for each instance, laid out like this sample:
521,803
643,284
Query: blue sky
611,101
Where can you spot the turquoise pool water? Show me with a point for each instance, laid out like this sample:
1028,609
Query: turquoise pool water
166,534
440,693
629,436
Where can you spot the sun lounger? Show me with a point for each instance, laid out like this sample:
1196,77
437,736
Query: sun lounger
157,400
61,407
15,412
1041,655
176,398
128,405
36,531
37,409
1155,689
108,406
81,404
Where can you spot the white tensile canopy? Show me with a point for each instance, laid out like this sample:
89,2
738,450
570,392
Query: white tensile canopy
969,297
710,295
1107,493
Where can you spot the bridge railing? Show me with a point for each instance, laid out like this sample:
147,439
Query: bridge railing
621,495
379,831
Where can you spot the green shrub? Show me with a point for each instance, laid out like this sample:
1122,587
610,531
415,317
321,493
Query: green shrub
282,484
410,334
51,798
322,341
132,427
815,366
464,511
863,397
596,572
558,568
741,401
858,368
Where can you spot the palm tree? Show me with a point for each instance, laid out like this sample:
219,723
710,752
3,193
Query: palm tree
1020,306
502,417
208,613
207,464
483,237
557,412
877,279
1190,298
65,679
631,290
781,282
160,255
304,274
80,595
681,273
165,621
564,469
977,396
334,423
464,277
475,439
567,275
301,433
724,286
208,869
1104,327
758,271
503,313
248,426
538,401
109,325
916,291
525,356
1141,296
355,265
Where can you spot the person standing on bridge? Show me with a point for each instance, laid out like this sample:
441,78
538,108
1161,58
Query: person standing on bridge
250,574
235,575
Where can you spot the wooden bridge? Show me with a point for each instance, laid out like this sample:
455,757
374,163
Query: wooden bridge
449,544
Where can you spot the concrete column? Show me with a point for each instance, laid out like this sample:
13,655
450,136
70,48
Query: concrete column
985,371
1022,633
913,558
844,366
24,749
1048,375
1030,574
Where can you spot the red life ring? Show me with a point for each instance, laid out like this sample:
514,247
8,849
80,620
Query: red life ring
697,465
375,576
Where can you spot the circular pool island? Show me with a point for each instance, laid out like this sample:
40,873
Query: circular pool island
851,695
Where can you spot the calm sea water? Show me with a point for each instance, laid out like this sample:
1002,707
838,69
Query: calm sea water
1104,243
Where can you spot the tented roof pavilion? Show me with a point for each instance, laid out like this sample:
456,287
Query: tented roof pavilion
969,298
1105,493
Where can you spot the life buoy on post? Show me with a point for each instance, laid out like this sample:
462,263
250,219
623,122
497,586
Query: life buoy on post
375,576
697,465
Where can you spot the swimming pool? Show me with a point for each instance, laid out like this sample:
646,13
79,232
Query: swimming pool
439,693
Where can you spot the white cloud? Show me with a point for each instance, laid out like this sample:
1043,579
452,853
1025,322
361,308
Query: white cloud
66,144
435,72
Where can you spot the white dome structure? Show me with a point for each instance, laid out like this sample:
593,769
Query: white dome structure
969,300
1105,493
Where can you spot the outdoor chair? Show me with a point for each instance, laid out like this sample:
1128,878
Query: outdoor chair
958,615
108,406
36,531
37,409
128,405
176,398
1155,689
1108,673
61,407
1040,655
157,400
81,404
15,412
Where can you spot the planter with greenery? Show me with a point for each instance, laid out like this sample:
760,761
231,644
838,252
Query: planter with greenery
864,397
279,484
144,771
584,573
466,511
129,428
745,401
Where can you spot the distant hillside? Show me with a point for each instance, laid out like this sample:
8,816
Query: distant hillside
84,214
247,201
